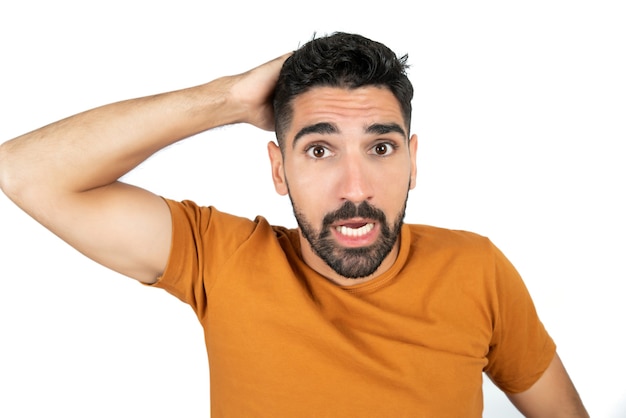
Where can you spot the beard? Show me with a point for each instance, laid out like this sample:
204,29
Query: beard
352,263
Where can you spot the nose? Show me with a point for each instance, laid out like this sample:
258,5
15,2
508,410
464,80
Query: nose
356,180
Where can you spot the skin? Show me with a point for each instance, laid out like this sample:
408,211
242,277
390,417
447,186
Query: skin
553,395
321,169
65,175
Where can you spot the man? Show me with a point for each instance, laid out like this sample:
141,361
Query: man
352,314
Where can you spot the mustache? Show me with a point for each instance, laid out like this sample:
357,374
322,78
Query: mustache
351,210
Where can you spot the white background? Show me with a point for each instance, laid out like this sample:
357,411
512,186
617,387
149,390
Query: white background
520,111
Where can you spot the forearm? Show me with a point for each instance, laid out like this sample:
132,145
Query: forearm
553,396
97,147
65,175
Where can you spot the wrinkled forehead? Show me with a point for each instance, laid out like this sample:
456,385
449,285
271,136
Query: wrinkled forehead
334,107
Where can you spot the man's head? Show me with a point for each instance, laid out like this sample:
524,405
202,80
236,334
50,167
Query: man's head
345,157
340,60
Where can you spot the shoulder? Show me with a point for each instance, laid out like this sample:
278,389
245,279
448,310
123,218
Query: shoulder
436,239
456,253
208,220
190,212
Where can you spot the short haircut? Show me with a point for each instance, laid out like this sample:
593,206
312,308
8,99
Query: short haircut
340,60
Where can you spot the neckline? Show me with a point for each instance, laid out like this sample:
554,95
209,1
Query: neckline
384,279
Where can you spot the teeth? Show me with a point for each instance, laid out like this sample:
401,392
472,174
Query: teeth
352,232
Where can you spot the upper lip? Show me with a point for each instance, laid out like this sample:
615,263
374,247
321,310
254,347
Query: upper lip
353,223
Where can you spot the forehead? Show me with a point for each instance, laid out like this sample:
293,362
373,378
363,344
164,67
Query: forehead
361,106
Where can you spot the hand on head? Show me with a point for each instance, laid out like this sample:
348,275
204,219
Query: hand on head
254,90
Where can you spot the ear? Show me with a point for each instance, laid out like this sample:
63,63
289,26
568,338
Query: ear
413,154
278,170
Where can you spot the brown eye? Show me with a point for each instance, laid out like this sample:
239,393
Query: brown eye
317,151
381,149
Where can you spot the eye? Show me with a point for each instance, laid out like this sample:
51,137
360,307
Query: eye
317,152
383,149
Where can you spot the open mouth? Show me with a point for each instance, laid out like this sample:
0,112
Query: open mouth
355,230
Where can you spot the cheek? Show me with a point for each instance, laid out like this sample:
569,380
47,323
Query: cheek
308,196
392,195
312,195
310,181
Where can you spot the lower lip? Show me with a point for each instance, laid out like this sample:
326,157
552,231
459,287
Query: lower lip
355,242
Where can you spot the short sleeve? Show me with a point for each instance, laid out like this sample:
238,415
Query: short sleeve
520,349
203,239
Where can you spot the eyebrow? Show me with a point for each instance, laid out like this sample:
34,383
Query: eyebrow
326,128
318,128
385,128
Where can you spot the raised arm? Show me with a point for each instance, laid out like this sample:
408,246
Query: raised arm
65,175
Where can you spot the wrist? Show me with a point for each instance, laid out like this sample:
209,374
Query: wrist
214,104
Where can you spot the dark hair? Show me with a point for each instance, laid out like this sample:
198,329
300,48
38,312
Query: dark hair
340,60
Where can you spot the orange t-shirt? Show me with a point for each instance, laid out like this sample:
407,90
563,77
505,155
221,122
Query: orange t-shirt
283,341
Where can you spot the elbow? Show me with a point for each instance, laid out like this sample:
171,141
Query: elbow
9,173
5,171
19,185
